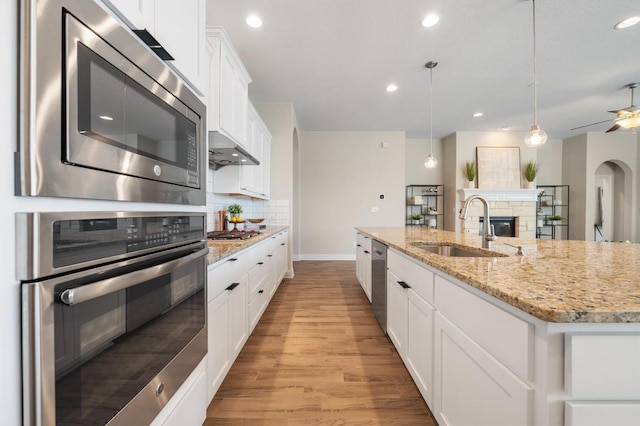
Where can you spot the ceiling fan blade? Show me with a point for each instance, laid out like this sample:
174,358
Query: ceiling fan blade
614,128
593,124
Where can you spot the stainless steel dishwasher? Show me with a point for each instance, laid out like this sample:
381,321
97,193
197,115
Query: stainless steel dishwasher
379,282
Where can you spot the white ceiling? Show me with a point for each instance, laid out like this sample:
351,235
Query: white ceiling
334,58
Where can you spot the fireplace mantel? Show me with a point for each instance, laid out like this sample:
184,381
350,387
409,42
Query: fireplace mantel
501,194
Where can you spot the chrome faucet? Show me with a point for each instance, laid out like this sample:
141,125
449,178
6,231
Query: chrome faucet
489,232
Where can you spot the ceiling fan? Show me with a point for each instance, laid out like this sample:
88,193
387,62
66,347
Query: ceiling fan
628,118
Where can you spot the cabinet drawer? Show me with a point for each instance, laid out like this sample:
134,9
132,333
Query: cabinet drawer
619,353
257,278
507,338
258,304
257,253
415,275
596,413
277,240
224,273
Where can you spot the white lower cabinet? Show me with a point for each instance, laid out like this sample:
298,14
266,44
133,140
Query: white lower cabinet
410,318
419,346
363,263
227,317
471,387
239,290
397,313
188,406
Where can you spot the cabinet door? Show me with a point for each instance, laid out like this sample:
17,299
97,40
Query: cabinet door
238,317
266,166
180,28
137,14
366,273
471,387
227,92
218,355
360,265
419,349
396,313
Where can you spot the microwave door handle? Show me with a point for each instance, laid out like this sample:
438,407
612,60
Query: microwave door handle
88,292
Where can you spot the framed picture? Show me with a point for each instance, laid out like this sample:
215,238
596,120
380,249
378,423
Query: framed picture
498,167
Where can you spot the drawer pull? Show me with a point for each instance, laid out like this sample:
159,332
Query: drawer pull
281,244
232,286
403,284
269,255
260,291
366,251
260,263
233,259
359,245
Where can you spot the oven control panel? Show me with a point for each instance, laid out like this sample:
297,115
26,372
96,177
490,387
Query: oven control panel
82,240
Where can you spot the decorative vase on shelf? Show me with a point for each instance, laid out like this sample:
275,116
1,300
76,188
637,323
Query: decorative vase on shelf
529,185
471,184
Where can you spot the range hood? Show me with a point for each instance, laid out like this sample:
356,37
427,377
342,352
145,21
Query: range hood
225,152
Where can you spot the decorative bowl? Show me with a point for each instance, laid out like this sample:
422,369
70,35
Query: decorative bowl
256,220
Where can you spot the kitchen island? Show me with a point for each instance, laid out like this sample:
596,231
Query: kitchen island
548,338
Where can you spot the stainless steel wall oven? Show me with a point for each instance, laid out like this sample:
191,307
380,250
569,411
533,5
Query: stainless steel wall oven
103,116
114,313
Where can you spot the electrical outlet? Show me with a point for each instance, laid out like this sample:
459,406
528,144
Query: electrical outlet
374,210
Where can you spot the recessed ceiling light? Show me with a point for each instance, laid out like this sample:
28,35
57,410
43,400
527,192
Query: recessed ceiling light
627,23
244,160
430,20
105,118
478,114
253,21
234,154
505,128
392,88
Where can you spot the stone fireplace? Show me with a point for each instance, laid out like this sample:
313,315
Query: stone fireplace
517,203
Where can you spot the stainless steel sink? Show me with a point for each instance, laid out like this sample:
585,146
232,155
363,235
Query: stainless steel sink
455,251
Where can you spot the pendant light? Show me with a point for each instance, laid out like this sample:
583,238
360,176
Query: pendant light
430,162
536,137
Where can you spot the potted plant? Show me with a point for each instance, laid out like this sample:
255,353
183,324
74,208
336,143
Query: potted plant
469,172
416,218
235,210
554,220
530,172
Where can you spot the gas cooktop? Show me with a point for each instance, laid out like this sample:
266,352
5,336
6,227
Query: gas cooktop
232,235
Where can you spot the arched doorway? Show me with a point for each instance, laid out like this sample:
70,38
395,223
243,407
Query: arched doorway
613,207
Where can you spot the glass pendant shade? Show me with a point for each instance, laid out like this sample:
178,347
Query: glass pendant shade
430,162
536,137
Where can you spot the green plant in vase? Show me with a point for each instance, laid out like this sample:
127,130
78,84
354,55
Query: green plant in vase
555,220
416,218
530,172
235,210
469,172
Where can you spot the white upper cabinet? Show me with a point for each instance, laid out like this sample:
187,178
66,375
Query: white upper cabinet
229,84
137,14
179,27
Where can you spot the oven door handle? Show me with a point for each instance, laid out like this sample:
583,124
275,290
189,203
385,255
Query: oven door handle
91,291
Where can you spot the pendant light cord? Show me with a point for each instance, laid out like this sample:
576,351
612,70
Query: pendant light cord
431,111
535,89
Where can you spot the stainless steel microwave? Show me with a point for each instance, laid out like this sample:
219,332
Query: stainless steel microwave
102,116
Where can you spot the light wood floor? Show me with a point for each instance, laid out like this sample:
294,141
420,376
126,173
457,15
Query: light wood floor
318,357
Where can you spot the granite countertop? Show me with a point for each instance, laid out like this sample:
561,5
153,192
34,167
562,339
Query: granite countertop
220,249
555,281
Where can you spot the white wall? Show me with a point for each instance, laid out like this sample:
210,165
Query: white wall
342,175
280,119
550,162
581,157
416,150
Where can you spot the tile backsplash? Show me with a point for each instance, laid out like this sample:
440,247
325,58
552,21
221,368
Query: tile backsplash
275,212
